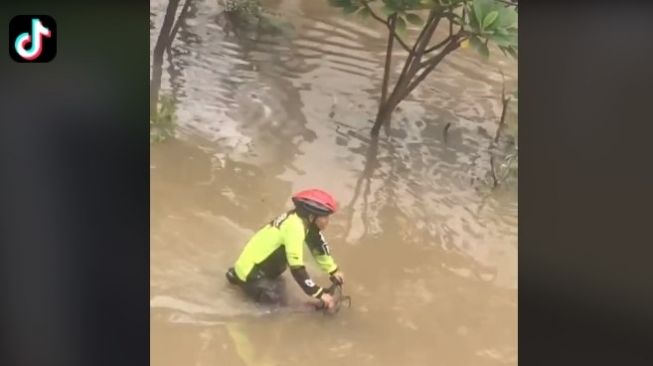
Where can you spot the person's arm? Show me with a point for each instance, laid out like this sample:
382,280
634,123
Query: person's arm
322,254
294,243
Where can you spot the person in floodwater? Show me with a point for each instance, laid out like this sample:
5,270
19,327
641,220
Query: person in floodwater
280,244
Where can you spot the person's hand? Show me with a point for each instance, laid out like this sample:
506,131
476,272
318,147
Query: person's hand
328,301
338,278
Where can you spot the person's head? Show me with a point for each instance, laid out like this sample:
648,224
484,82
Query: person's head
315,206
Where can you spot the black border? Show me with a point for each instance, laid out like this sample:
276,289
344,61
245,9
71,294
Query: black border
585,283
74,190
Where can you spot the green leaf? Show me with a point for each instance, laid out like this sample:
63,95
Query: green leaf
415,19
489,19
479,46
502,31
481,8
507,18
426,4
504,40
400,25
388,11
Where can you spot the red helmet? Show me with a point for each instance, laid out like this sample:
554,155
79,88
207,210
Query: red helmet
315,201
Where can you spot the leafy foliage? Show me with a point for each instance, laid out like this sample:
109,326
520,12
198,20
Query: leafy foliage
162,125
478,23
493,21
482,21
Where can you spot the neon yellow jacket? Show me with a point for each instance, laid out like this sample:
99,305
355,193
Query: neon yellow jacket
279,245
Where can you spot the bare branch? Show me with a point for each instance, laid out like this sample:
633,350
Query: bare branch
411,63
401,42
504,103
391,29
374,15
388,61
432,63
464,19
405,76
495,181
439,45
425,38
458,38
424,30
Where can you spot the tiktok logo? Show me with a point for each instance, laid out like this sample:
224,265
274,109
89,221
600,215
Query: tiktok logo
32,38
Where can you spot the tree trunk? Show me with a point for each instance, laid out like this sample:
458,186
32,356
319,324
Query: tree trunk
388,62
383,116
157,55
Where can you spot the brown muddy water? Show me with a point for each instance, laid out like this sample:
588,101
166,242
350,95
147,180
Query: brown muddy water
429,252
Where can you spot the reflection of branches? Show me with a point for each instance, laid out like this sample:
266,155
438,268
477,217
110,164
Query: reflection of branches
163,42
504,101
175,28
371,163
181,28
157,55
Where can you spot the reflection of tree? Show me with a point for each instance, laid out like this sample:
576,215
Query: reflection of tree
166,36
504,104
274,131
371,163
189,11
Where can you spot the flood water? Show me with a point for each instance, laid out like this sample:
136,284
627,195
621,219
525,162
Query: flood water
429,251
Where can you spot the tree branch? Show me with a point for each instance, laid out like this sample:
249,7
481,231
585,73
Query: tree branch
439,45
504,103
419,47
457,38
497,135
388,61
432,63
387,24
410,67
374,15
401,41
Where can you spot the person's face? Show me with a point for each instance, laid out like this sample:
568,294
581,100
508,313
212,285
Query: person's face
322,222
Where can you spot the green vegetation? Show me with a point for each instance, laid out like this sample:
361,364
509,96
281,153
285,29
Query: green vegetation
162,124
477,23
